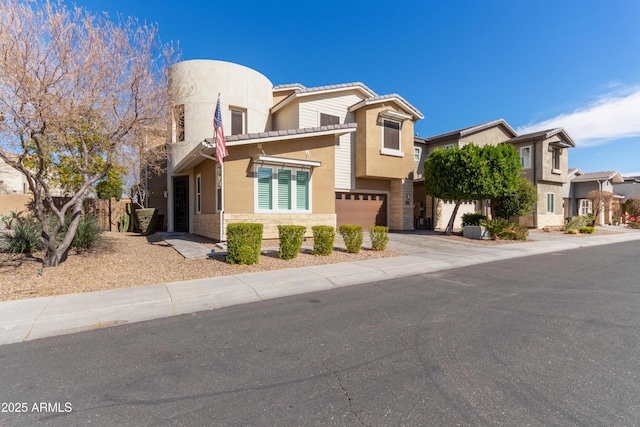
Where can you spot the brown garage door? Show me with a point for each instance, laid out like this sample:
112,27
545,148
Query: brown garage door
362,209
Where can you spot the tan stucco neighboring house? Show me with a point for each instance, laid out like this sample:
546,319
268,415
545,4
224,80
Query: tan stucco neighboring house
323,155
12,181
543,155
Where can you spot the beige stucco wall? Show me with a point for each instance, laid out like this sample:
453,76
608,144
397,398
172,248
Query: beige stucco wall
368,143
544,172
546,219
14,202
240,183
197,83
491,136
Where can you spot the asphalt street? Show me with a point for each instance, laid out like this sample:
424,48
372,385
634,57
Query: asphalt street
551,339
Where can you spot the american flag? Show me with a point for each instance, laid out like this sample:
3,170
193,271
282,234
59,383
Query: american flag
221,147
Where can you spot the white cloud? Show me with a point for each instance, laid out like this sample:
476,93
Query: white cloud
614,116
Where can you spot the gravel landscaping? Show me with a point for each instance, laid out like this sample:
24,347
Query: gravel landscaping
128,259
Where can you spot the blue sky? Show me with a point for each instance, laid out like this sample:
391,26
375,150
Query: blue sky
537,64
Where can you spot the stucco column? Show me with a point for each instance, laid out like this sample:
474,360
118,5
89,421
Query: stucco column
401,205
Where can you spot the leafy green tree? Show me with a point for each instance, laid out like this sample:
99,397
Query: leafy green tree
76,92
112,185
632,206
471,173
520,202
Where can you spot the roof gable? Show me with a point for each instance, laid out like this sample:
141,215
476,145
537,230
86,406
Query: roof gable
612,176
545,134
461,133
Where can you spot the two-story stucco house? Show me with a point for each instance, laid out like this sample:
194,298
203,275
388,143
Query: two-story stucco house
544,158
297,155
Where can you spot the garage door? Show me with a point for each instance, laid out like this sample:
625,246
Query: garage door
361,209
447,210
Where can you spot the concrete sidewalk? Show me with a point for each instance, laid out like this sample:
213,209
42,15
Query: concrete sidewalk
49,316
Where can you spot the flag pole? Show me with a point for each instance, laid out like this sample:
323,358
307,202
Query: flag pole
221,153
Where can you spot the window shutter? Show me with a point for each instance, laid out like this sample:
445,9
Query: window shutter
302,190
284,189
264,188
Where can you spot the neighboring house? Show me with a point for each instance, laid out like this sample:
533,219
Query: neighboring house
581,184
544,157
12,181
325,155
629,188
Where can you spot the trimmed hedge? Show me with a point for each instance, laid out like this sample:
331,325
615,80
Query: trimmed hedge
323,237
147,220
587,230
473,218
379,237
291,237
243,243
352,236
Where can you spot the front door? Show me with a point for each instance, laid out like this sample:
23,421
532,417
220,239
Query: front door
181,203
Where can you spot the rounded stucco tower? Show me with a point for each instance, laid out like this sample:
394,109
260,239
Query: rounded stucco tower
246,97
194,87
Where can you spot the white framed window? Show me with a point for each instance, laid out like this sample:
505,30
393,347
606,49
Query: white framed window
238,120
551,203
416,153
525,157
218,188
198,194
585,207
282,189
391,141
555,160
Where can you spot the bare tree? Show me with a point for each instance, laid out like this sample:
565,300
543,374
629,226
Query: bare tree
600,202
76,89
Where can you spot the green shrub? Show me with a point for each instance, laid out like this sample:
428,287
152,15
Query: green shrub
514,232
291,237
379,237
147,220
243,243
352,236
576,222
571,231
88,234
635,225
587,230
323,237
24,237
495,226
473,218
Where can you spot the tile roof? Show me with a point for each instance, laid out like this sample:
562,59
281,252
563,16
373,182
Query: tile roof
288,86
469,130
543,134
595,176
391,96
285,132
